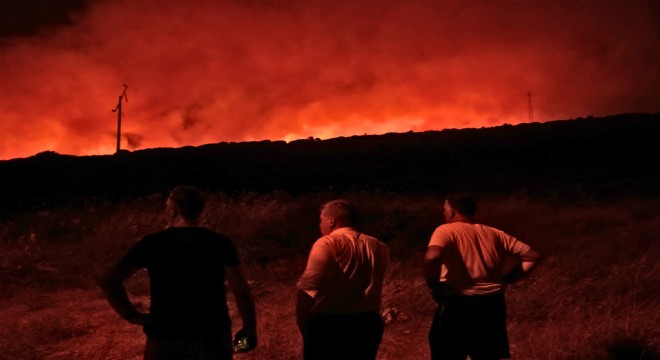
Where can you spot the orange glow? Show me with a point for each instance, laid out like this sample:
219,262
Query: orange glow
203,72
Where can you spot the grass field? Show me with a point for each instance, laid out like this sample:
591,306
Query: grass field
596,295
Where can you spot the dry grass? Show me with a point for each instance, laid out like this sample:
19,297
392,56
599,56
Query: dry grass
595,296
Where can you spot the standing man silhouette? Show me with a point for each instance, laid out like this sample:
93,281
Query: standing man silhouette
465,267
339,293
187,266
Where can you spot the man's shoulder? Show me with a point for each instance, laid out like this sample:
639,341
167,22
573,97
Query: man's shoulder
327,239
450,232
346,233
460,225
453,226
491,229
209,232
337,236
156,235
350,235
195,232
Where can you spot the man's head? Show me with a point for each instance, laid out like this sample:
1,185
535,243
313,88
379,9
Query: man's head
459,206
186,202
336,214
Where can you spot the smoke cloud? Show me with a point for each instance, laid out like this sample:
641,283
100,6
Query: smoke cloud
208,71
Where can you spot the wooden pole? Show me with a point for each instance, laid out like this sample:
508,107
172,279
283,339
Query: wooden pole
531,111
117,109
119,126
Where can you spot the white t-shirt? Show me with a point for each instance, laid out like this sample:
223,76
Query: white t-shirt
476,257
345,271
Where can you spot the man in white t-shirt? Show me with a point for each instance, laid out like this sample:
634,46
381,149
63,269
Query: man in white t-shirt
339,293
467,267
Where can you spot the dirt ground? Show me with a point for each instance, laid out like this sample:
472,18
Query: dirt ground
79,324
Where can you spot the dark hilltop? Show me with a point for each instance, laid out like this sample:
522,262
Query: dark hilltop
594,157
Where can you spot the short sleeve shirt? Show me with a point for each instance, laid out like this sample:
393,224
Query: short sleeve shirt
476,257
187,277
344,272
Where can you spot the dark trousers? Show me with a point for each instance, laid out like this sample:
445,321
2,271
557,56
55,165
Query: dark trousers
206,347
343,336
470,325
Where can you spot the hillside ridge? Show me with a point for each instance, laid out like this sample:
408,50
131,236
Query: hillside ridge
606,154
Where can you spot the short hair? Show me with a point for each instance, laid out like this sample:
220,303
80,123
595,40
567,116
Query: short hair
341,210
188,200
463,204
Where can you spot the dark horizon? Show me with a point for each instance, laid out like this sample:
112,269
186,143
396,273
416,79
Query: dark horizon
588,157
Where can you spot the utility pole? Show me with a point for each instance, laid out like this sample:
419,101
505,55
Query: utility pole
531,111
117,109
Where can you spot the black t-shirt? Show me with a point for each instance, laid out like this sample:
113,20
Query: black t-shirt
186,274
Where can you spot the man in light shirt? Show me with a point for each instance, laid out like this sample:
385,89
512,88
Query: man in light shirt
467,267
339,293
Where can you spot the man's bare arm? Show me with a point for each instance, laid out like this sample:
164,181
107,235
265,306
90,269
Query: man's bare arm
244,301
432,264
112,285
529,261
432,267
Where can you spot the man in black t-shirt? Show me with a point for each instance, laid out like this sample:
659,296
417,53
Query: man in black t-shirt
187,266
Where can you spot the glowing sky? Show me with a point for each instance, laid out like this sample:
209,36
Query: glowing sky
203,71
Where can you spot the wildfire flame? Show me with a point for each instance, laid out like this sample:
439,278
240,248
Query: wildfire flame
204,71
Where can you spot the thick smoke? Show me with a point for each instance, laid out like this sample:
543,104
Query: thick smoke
209,71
